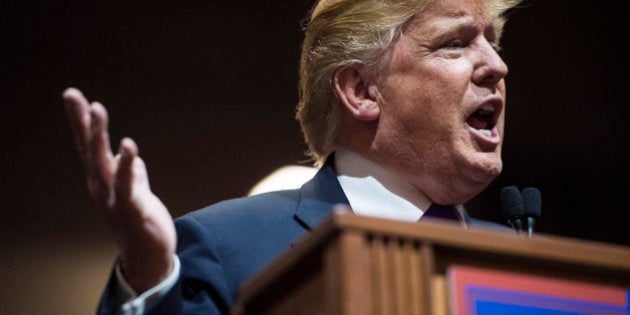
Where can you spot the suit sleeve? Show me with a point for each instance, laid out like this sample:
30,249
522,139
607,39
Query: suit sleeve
201,287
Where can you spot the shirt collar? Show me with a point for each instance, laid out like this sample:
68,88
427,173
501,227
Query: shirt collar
375,191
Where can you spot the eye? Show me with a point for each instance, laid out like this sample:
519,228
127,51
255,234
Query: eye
454,44
453,48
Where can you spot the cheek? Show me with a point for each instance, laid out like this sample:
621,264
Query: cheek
425,99
423,113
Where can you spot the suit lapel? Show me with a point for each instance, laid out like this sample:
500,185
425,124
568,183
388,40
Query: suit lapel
319,195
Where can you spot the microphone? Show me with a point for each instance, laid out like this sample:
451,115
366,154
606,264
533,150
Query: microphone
532,204
521,209
513,207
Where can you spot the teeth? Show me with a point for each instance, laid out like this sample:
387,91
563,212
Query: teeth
486,132
487,108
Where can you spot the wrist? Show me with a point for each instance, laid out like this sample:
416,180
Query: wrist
142,273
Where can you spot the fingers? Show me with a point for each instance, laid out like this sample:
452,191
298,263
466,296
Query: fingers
89,128
127,171
101,163
78,111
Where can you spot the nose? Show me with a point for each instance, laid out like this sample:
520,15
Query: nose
489,68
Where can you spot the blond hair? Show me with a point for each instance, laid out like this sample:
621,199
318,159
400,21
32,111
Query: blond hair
343,32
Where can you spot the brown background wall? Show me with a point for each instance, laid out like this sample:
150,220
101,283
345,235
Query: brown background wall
208,89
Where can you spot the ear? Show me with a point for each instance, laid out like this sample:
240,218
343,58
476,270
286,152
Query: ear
356,92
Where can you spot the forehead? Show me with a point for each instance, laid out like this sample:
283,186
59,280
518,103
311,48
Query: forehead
445,14
456,7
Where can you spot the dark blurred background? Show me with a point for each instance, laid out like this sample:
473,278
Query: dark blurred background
208,90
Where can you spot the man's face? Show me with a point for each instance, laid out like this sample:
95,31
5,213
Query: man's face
441,97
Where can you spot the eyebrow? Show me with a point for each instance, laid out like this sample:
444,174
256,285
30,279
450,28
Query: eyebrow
456,21
453,23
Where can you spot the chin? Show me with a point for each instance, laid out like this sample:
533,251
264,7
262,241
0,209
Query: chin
484,172
488,174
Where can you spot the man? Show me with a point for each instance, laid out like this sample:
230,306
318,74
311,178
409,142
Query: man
402,105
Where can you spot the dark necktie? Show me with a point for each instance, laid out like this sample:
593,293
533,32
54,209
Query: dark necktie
441,212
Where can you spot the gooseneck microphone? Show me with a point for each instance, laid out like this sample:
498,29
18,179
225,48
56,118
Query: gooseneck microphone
521,209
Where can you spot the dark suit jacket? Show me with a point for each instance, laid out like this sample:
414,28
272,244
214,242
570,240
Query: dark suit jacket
223,245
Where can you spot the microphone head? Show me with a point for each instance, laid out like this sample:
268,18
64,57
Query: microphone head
532,202
512,203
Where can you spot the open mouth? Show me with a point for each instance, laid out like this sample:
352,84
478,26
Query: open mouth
484,119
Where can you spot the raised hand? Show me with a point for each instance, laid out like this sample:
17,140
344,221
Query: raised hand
119,186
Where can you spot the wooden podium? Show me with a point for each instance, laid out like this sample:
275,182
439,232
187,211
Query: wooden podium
360,265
